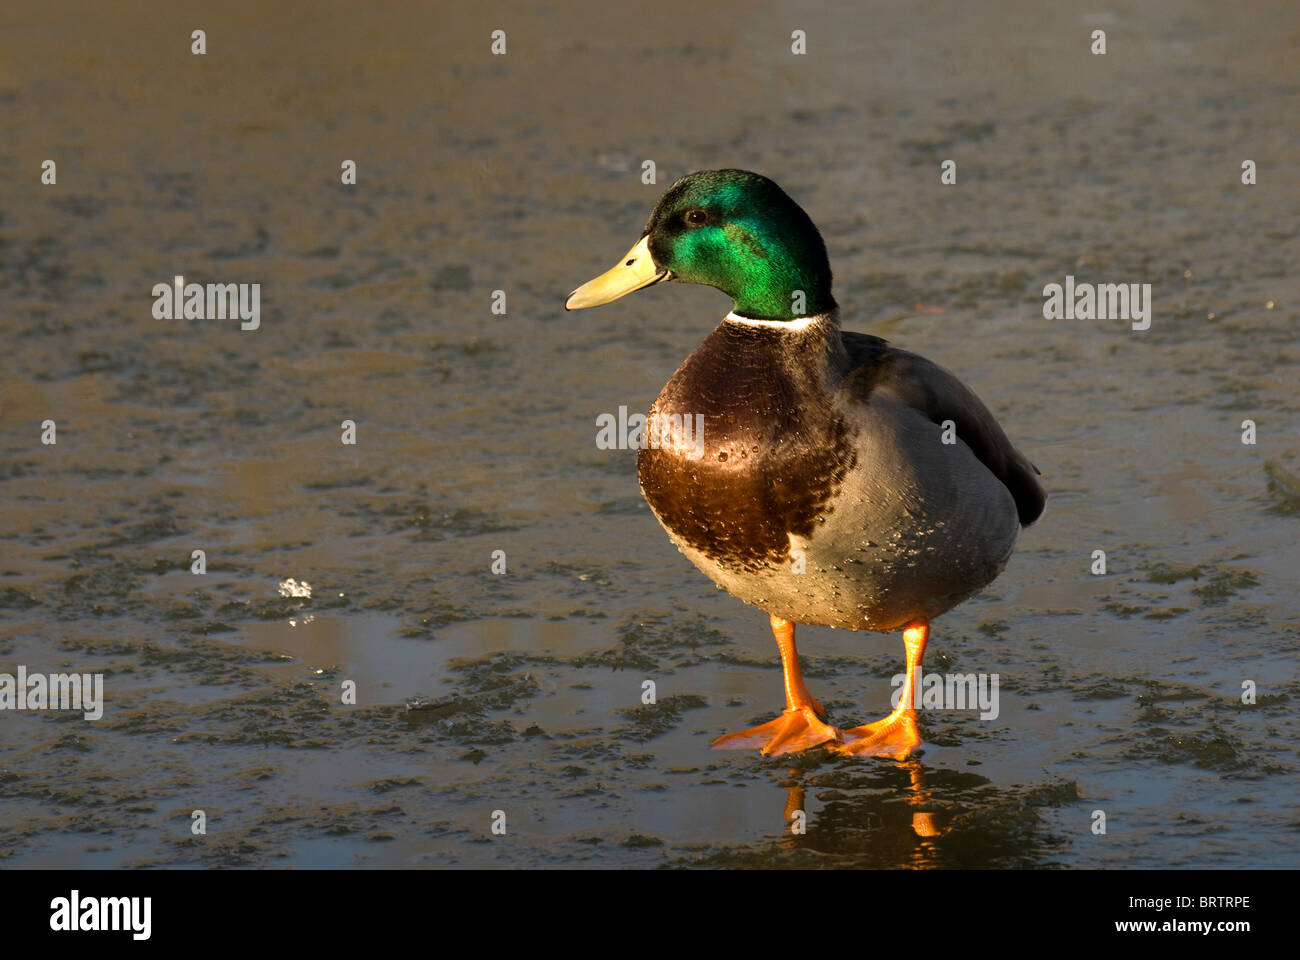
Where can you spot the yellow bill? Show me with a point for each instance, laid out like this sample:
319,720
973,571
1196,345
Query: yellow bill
636,270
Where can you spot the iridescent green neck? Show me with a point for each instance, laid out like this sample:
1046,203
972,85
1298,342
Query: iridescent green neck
769,272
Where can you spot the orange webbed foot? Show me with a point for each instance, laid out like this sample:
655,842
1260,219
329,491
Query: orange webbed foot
896,737
796,729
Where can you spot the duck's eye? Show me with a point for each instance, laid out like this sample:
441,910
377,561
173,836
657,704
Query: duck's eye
696,217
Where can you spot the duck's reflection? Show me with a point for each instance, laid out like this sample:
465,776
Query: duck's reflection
900,821
869,815
925,823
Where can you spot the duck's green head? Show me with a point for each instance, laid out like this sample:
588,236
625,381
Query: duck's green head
733,230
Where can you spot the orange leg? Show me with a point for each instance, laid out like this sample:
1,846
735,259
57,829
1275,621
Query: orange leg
799,727
895,736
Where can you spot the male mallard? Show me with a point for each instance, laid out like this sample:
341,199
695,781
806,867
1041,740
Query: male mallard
831,488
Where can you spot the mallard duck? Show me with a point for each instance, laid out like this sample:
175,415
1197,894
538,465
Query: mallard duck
838,480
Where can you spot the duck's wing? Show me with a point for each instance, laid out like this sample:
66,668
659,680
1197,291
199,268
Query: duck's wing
876,367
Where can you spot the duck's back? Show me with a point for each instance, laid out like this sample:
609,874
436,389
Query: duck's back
875,367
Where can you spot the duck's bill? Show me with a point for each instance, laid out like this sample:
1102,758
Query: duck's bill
636,270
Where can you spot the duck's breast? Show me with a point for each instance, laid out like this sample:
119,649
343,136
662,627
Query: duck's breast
817,506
